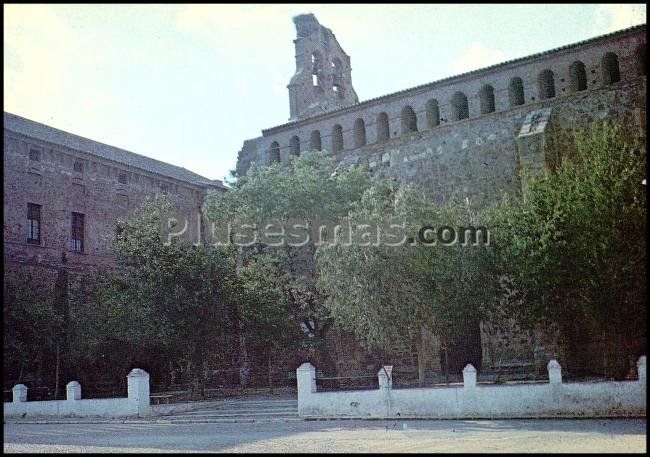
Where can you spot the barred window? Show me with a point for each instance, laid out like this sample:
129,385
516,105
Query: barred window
79,167
294,146
409,120
33,223
337,138
315,141
546,83
516,91
121,178
35,154
77,239
274,153
459,107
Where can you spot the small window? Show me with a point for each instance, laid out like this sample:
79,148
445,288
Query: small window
409,120
78,166
359,133
433,113
35,154
337,138
121,178
577,77
274,153
486,96
164,188
546,82
516,91
33,223
610,69
77,238
294,146
315,141
459,107
383,132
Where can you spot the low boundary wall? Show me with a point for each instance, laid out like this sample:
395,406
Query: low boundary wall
137,402
552,399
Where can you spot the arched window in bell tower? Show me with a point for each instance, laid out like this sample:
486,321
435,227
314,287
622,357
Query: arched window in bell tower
316,69
337,76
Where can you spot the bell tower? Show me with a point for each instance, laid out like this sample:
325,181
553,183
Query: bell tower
323,80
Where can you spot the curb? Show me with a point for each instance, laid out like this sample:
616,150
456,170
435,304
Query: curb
158,421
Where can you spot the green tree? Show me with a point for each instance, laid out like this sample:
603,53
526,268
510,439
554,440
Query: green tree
390,294
30,329
311,190
168,304
574,246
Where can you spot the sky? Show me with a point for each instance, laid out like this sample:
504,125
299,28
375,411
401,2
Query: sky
187,84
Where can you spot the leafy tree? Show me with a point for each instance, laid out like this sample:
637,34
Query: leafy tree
30,328
168,304
309,191
574,246
387,294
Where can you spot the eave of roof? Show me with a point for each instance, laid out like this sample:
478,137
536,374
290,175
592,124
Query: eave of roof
455,77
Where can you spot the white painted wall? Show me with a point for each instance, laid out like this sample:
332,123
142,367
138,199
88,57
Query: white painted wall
136,404
552,399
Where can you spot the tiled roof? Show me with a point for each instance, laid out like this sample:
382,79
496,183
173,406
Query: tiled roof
44,132
469,73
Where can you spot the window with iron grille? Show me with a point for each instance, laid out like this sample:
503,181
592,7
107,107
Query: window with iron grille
77,239
33,223
78,166
121,178
34,154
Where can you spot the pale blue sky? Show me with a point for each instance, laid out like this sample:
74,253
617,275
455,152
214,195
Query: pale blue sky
187,84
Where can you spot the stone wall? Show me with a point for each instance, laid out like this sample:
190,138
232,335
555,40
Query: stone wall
552,398
627,45
480,157
96,192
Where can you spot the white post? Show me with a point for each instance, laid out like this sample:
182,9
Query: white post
640,369
554,372
138,390
73,390
469,376
385,377
19,393
306,380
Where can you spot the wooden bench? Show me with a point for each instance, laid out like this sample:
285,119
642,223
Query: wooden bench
158,398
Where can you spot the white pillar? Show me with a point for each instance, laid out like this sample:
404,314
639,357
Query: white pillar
306,380
138,390
469,376
640,369
19,393
385,377
554,372
73,390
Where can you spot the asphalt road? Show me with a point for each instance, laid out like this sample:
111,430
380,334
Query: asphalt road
598,435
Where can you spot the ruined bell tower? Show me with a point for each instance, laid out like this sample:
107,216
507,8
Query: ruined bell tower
323,80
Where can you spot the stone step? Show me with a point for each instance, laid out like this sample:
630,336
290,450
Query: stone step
242,411
215,415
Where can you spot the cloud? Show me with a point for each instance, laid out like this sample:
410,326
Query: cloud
612,17
477,56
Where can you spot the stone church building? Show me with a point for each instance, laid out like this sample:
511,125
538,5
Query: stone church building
473,135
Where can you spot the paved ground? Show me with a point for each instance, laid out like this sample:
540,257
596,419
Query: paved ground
280,435
258,410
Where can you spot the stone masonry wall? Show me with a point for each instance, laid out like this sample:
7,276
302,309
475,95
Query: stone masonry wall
95,192
475,158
